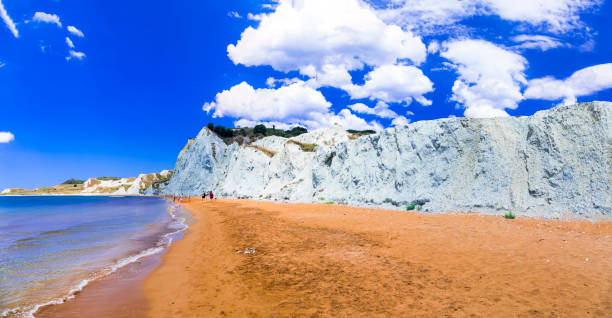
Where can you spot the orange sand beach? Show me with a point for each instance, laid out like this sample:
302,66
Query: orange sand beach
315,260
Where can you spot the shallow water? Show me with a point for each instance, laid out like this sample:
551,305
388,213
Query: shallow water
51,247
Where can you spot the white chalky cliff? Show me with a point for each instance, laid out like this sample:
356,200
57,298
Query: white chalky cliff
555,163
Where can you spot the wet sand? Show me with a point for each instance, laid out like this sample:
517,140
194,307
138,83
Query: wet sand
315,260
119,295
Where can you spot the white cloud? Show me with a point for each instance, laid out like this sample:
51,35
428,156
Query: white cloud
393,84
324,40
400,121
557,15
2,64
381,110
47,18
69,42
75,54
272,82
252,123
75,31
433,47
254,17
583,82
489,77
284,104
6,137
433,17
343,118
540,42
8,21
234,14
294,104
270,6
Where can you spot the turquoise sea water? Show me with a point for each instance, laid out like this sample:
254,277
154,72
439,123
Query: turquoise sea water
53,246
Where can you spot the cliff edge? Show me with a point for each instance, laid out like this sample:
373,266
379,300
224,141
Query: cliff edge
555,163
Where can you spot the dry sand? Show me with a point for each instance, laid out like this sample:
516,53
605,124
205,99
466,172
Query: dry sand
316,260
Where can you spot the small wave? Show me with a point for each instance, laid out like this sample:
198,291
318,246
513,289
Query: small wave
178,224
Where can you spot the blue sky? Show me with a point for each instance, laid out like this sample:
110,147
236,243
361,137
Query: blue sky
145,76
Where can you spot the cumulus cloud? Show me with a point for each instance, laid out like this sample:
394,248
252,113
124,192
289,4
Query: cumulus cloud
2,64
381,110
234,14
433,47
272,82
431,17
324,40
69,42
8,21
47,18
294,104
285,103
6,137
540,42
75,31
343,118
74,54
583,82
252,123
393,84
490,78
400,121
254,17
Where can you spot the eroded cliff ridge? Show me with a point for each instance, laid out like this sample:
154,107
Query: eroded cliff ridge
555,163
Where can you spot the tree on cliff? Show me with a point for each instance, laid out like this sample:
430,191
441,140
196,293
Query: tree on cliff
259,129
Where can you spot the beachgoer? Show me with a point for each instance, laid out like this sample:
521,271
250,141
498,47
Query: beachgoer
211,195
203,196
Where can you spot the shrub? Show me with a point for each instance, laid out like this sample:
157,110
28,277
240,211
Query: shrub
259,129
509,215
296,131
108,178
329,202
73,181
411,207
223,132
210,126
361,132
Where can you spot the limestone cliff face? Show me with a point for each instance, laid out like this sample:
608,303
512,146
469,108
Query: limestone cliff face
555,163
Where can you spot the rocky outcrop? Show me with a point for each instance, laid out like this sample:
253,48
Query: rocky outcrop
555,163
126,186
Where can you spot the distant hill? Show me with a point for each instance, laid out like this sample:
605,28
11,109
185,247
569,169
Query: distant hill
100,186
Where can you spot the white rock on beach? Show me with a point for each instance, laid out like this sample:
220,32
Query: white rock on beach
555,163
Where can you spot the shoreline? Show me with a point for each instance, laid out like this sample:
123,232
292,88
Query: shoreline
126,273
330,260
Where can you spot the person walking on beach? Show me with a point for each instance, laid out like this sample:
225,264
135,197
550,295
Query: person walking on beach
203,196
211,196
